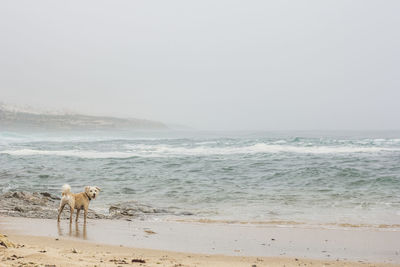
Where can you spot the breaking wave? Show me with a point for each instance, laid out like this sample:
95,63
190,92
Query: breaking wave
166,150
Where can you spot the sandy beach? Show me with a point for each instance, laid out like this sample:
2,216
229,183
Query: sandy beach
41,242
46,251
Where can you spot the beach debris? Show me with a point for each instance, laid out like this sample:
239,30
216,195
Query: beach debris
273,239
74,250
13,258
186,213
50,265
43,251
5,242
16,257
119,261
150,232
138,261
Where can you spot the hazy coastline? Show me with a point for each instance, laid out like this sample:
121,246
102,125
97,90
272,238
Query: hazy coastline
15,119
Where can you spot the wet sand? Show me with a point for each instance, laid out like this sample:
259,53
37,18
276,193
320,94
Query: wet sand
242,245
47,251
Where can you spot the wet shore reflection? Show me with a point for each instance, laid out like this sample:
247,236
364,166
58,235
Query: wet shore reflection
78,231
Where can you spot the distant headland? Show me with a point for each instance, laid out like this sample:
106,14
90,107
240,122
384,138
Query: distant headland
12,117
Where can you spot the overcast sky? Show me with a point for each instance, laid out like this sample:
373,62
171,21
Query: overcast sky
230,65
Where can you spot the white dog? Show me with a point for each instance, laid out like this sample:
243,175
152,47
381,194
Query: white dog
77,201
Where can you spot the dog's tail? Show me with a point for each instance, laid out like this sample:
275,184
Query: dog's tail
66,189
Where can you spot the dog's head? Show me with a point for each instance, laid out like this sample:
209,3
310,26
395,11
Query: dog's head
92,191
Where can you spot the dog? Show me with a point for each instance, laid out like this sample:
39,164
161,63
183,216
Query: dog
77,201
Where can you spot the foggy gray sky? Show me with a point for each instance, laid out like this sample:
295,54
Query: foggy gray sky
231,65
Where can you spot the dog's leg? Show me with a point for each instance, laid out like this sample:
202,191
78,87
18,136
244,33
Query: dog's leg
85,215
71,209
77,214
60,209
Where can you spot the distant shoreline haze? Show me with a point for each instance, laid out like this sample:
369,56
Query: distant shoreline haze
22,119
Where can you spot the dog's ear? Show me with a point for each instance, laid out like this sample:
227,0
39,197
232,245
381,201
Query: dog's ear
98,188
87,188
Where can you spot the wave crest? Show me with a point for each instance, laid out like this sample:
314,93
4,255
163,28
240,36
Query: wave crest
165,150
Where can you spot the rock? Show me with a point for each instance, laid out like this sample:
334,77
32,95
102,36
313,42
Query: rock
50,196
5,242
138,260
136,209
133,208
19,209
45,205
186,213
35,205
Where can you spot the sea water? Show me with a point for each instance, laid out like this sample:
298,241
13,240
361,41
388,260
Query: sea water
327,178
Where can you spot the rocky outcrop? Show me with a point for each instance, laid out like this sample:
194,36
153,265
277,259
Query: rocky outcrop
34,205
133,209
45,205
136,209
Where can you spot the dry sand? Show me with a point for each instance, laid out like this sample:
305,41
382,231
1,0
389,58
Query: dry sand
42,251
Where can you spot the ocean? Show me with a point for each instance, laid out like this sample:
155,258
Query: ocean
331,179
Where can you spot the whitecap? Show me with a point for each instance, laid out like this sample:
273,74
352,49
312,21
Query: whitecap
142,150
68,153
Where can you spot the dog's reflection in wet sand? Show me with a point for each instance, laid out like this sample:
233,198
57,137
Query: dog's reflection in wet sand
77,233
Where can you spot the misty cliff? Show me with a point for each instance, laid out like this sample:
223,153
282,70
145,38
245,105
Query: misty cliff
16,119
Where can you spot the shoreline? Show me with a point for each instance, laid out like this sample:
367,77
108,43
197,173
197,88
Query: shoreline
44,205
235,242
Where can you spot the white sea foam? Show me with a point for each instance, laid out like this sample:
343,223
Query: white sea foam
69,153
167,150
256,148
